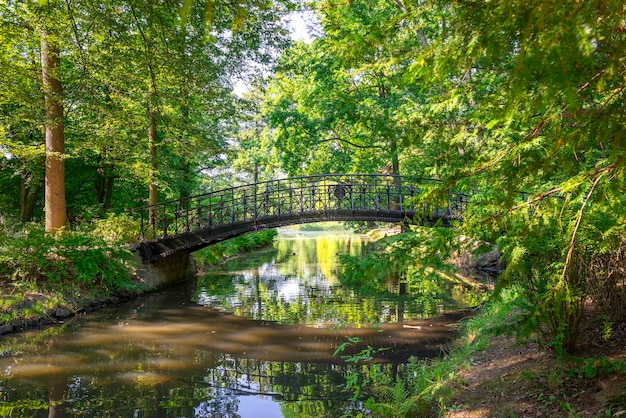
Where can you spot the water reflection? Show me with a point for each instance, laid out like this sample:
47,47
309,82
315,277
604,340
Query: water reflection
296,283
246,350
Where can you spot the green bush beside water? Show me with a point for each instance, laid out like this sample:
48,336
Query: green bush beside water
215,254
31,258
41,271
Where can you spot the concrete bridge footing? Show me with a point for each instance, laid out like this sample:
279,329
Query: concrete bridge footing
166,271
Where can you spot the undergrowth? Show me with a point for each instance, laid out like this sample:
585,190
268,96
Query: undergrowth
425,386
41,271
217,253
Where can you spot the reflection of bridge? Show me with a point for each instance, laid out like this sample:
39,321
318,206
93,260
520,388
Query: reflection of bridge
195,222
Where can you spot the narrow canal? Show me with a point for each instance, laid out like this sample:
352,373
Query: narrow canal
255,338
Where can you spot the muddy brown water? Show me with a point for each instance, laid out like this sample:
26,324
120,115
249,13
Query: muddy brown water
254,339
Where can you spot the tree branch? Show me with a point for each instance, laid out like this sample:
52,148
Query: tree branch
420,34
579,217
349,143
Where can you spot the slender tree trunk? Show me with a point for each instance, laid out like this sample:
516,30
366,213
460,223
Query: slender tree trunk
29,193
395,161
187,172
56,216
103,185
99,186
256,172
152,177
393,145
152,116
109,192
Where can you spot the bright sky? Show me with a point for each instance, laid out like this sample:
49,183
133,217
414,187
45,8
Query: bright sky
299,23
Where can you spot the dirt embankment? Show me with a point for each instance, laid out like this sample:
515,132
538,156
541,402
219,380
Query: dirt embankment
527,380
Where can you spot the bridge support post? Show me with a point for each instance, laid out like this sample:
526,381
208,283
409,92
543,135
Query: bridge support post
167,271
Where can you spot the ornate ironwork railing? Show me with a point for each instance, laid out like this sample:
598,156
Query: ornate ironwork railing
301,200
195,222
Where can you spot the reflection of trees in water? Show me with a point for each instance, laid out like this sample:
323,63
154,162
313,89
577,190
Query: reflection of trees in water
145,376
311,258
285,381
224,404
294,287
307,388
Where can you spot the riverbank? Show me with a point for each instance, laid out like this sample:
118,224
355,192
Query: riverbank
45,280
483,375
492,375
509,379
49,306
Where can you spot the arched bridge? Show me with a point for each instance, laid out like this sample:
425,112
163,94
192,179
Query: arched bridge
193,223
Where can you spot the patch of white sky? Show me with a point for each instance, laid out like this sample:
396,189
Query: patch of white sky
303,27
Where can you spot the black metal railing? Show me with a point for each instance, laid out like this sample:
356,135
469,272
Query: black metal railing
301,200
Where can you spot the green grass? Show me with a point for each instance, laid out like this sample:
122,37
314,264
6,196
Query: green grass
215,254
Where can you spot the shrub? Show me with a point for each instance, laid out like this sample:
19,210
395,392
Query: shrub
214,254
559,267
36,259
117,228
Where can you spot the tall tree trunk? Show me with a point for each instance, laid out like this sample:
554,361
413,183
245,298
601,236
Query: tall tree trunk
393,155
393,145
256,171
187,171
395,161
152,115
152,177
56,216
109,192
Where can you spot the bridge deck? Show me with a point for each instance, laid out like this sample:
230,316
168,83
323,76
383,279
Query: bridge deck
195,222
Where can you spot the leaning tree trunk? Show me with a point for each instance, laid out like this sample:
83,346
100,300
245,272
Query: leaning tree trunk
56,217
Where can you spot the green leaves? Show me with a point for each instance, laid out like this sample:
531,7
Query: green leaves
335,102
120,59
35,257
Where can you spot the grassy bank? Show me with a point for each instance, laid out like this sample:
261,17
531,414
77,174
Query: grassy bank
487,373
46,278
218,253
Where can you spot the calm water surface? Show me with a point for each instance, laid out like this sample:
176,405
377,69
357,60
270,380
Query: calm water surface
252,339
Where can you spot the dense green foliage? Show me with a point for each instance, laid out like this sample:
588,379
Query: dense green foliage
40,272
520,104
217,253
147,93
413,255
76,257
149,104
